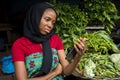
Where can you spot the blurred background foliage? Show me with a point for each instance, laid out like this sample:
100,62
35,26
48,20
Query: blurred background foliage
75,15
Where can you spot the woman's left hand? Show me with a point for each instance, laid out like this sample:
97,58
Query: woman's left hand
80,46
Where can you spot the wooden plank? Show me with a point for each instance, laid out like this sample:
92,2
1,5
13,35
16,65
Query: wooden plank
94,27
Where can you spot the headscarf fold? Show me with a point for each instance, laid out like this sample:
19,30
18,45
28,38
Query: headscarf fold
31,31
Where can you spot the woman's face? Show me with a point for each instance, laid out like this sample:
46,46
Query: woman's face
47,21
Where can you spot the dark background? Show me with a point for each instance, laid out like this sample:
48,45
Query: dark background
15,9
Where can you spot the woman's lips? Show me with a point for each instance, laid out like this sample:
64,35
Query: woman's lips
48,31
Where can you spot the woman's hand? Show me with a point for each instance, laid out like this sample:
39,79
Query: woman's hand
80,46
58,69
56,72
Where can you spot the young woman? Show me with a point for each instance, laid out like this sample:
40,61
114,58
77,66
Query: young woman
39,54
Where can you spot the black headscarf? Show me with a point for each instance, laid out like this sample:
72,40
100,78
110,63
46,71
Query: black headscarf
31,31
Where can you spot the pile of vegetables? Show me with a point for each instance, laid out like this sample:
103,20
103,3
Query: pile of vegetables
100,41
97,62
96,65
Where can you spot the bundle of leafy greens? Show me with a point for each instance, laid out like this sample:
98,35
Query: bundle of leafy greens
100,41
97,62
96,65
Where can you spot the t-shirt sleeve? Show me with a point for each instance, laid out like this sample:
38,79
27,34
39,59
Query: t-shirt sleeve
60,45
17,52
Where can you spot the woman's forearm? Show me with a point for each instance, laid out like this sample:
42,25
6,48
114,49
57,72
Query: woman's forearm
80,48
21,74
71,67
46,77
52,75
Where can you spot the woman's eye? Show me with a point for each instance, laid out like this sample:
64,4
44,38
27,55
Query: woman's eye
47,19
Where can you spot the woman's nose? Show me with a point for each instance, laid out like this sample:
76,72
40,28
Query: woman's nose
50,24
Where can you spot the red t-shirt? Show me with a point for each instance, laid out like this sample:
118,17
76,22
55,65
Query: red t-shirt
23,47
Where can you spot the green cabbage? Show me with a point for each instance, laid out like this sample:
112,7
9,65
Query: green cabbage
88,71
117,65
115,58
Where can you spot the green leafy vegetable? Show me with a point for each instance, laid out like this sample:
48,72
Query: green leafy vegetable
116,59
89,66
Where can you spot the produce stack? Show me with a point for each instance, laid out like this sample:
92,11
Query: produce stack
102,58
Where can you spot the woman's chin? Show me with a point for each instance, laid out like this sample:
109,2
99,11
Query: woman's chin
45,33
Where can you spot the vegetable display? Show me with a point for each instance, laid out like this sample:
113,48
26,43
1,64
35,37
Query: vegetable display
100,41
97,62
100,66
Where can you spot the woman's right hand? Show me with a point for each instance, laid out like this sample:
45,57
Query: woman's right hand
58,69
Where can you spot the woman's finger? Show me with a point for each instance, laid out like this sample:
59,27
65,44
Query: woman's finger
81,44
